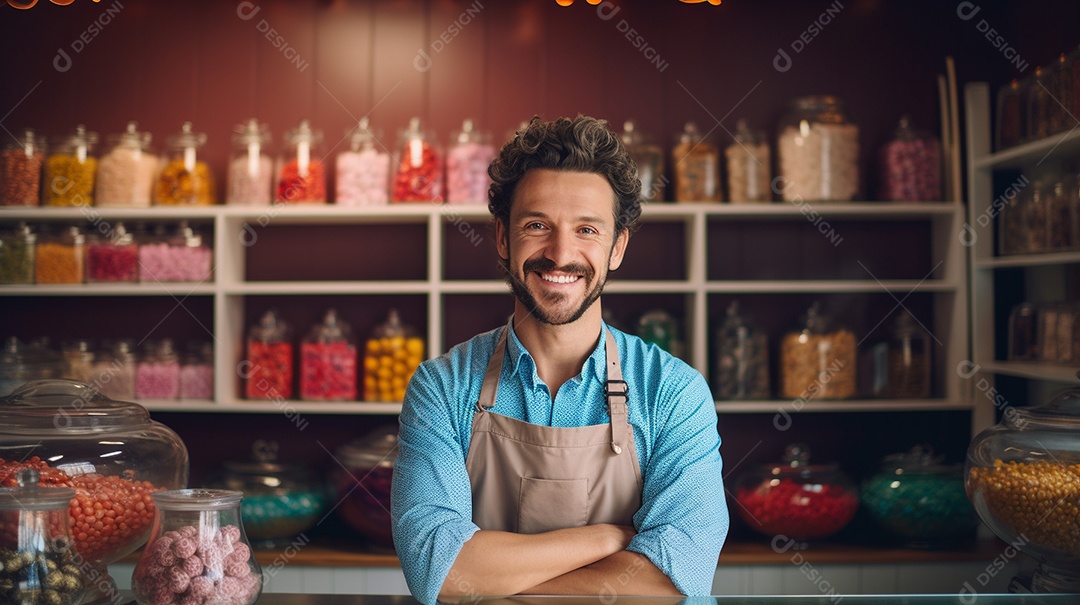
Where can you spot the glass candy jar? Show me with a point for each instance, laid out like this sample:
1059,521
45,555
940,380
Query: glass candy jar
302,175
157,375
391,355
79,361
818,145
742,368
281,500
109,452
796,499
112,257
38,562
749,175
181,256
363,170
919,500
59,257
70,170
362,484
251,170
17,255
185,179
21,160
1010,115
910,166
420,167
907,370
114,371
198,552
697,167
660,328
649,160
197,372
328,361
467,162
1023,478
268,369
126,172
818,360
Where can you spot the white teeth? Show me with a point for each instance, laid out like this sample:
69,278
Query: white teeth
559,279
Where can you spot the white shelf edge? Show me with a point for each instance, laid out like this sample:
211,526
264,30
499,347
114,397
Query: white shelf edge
304,288
1031,369
174,290
1029,260
1026,152
848,405
291,407
852,285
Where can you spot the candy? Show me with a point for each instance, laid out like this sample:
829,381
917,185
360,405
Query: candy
106,262
800,511
58,263
389,363
818,365
327,371
922,508
181,183
270,374
251,182
41,575
749,178
466,173
157,380
69,181
296,185
911,170
16,259
220,574
363,178
419,174
20,177
820,163
280,515
161,262
364,495
196,381
697,172
125,178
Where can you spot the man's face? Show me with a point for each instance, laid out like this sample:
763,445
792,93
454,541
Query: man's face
560,243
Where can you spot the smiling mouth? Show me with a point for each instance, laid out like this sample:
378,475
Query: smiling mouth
558,279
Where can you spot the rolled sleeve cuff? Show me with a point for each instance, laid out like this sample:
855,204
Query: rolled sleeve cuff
688,564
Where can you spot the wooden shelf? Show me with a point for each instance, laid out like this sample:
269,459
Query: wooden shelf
1029,260
1033,153
174,289
242,406
1033,370
847,405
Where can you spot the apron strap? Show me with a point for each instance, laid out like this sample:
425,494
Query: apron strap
491,377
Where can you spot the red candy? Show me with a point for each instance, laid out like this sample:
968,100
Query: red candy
419,175
215,572
297,187
800,511
271,374
327,371
109,263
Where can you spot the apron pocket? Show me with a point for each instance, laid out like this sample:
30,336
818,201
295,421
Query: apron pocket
547,504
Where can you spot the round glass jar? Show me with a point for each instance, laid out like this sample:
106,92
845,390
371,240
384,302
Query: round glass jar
198,552
819,151
795,499
126,172
328,361
184,178
419,173
38,562
79,361
660,328
301,174
467,162
649,160
920,501
114,370
363,170
110,452
70,170
17,255
1023,478
251,171
697,167
362,484
21,160
281,500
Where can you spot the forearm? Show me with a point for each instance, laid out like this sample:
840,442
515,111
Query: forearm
619,574
498,563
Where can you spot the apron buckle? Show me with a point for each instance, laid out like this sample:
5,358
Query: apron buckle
620,392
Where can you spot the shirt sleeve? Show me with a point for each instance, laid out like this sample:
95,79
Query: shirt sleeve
683,520
431,498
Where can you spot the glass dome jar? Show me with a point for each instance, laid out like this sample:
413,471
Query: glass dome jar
697,167
110,452
419,173
198,552
281,500
362,484
126,172
818,361
268,369
910,165
21,160
391,355
363,170
38,562
185,179
17,248
302,175
919,500
70,170
112,256
742,366
819,151
749,172
649,160
1023,478
251,170
796,499
467,162
328,361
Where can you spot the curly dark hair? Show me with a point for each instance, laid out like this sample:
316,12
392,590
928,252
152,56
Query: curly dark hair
583,144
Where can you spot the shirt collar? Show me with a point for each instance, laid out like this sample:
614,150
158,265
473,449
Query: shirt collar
521,360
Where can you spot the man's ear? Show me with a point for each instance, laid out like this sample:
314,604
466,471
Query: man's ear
618,249
500,239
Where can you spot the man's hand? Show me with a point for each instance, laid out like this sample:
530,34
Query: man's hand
623,573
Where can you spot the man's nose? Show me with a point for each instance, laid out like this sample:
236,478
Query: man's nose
561,248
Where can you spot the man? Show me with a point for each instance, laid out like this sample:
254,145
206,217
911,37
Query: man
527,464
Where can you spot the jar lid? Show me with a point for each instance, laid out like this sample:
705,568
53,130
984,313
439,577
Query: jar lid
690,134
60,406
252,133
392,326
30,142
31,496
796,461
376,448
304,134
79,140
187,137
187,236
132,138
1061,412
263,462
468,133
919,459
361,135
332,329
197,499
814,320
270,328
744,135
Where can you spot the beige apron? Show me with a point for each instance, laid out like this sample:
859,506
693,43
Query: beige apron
529,478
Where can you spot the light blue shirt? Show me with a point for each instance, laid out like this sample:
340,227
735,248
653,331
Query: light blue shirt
683,519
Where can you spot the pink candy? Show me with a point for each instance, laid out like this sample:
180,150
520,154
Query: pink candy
466,173
164,263
184,547
363,178
179,568
155,380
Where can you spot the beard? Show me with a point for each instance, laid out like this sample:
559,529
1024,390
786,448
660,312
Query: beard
554,317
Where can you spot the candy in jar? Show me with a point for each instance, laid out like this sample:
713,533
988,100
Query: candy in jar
79,359
391,356
114,371
197,372
70,170
697,167
185,179
20,170
112,257
748,172
157,375
818,361
819,151
911,166
17,255
467,162
328,361
251,171
302,176
127,171
420,167
183,256
59,257
649,160
742,369
269,365
363,170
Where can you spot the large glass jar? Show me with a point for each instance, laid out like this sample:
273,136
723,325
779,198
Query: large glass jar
742,367
1059,83
302,174
796,499
1060,222
251,170
649,160
21,160
198,552
819,151
157,375
911,166
17,255
110,452
182,256
919,500
1040,105
362,484
113,256
40,565
114,370
185,179
697,167
59,256
281,500
907,370
1033,215
420,166
1011,115
1011,227
78,361
659,327
749,174
363,170
268,369
1023,477
126,172
818,361
70,170
467,162
197,372
328,361
391,355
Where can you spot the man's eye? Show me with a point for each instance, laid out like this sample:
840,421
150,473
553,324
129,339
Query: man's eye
534,225
589,231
